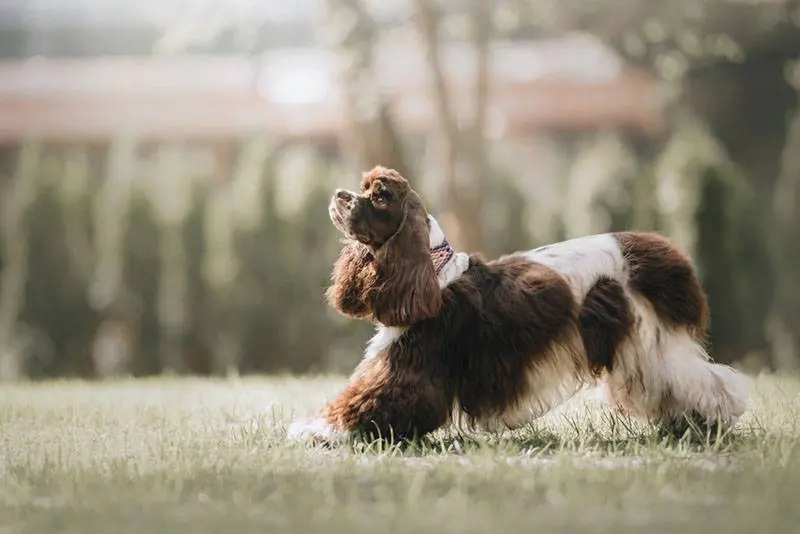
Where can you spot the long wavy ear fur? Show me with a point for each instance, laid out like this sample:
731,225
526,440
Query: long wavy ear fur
406,290
353,275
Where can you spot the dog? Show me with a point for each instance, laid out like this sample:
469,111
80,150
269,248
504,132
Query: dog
496,344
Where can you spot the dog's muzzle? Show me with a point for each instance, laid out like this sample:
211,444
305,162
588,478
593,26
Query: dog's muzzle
342,202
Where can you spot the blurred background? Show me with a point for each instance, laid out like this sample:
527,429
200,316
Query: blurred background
165,165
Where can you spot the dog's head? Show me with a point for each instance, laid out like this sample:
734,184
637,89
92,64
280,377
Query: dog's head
387,217
383,207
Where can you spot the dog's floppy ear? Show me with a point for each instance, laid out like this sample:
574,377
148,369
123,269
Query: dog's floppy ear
352,277
407,290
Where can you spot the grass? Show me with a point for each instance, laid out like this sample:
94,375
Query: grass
202,456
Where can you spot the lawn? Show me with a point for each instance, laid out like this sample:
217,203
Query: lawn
197,456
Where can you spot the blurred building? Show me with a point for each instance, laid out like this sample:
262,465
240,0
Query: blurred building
87,70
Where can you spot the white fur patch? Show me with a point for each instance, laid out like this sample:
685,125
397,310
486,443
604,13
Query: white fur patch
663,372
453,269
382,340
435,234
583,260
314,430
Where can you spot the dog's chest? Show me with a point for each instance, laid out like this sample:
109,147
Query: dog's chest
382,340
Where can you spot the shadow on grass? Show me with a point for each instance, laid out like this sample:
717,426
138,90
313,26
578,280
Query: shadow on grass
612,434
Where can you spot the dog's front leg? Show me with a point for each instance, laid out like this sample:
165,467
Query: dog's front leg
380,402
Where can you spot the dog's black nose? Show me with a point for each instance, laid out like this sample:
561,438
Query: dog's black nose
344,194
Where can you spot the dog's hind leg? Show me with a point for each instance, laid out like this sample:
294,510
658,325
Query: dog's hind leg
663,374
662,371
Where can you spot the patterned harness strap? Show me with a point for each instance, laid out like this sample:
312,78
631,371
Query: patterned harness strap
441,254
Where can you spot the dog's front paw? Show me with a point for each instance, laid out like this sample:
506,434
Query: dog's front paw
316,431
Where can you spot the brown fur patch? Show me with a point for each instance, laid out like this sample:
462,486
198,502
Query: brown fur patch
664,274
605,321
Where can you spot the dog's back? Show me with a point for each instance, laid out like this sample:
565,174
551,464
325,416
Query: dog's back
643,320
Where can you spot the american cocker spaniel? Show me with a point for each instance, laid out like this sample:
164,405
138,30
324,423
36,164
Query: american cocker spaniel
495,344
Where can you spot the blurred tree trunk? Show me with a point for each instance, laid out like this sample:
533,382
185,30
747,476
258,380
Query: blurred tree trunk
463,159
784,321
171,199
644,203
371,133
14,276
111,207
74,186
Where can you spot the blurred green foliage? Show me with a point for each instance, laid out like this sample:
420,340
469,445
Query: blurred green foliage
146,260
